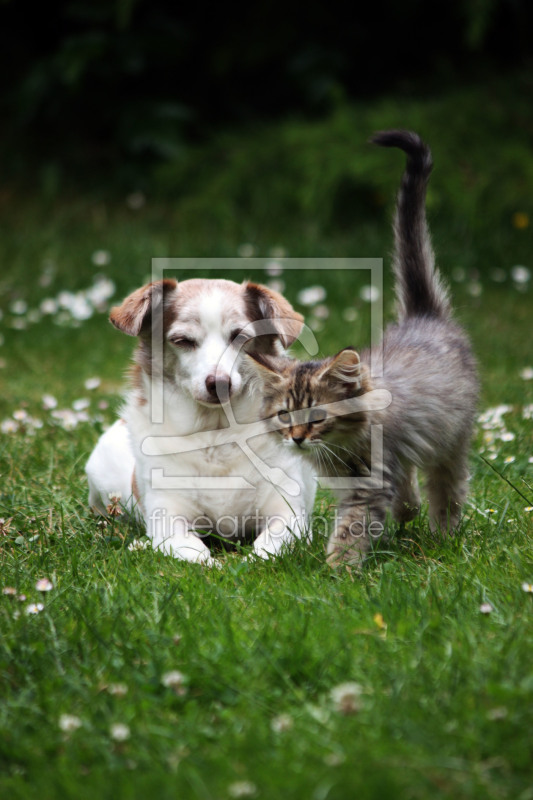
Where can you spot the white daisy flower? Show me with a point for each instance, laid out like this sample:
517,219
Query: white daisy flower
119,732
66,418
246,250
49,402
527,587
486,608
507,436
44,585
520,274
273,269
49,306
349,314
242,789
9,426
369,294
65,299
81,404
321,311
315,324
138,544
282,723
92,383
18,307
346,697
173,679
101,257
527,411
117,689
102,289
527,374
80,308
69,723
34,608
475,289
311,295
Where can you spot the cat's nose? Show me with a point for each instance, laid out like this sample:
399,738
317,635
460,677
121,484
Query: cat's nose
298,440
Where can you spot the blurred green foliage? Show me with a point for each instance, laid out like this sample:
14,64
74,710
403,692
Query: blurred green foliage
325,175
116,85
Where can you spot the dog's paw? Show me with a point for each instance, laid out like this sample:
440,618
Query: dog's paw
186,548
266,546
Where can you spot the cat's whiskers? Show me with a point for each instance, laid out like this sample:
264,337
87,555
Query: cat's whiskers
326,455
333,454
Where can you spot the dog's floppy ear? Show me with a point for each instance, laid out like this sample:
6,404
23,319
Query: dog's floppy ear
134,316
265,303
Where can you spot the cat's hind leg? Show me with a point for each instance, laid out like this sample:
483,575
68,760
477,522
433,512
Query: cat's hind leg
447,487
406,502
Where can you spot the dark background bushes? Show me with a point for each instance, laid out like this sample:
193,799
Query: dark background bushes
90,86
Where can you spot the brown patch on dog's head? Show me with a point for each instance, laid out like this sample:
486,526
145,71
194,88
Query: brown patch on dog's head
264,303
134,315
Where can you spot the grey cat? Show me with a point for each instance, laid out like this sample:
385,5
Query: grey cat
430,372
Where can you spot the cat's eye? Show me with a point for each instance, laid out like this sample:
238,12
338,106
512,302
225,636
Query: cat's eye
284,417
184,342
317,415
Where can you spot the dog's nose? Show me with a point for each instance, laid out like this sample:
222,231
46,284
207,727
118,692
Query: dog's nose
218,386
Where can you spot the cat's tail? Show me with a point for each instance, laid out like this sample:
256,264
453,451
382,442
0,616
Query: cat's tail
420,290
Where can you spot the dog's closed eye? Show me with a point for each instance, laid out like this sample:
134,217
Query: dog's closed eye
184,342
240,335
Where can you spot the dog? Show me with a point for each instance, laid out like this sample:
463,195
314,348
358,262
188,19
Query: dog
190,453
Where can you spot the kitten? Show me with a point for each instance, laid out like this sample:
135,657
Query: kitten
430,372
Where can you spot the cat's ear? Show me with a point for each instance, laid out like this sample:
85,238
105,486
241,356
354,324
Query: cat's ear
345,367
134,315
263,303
265,367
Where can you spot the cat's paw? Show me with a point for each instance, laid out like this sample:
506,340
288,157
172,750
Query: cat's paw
346,550
405,512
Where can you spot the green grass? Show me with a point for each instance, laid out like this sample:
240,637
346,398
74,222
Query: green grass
446,689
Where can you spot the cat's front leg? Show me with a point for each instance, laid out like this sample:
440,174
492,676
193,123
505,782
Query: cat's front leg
360,522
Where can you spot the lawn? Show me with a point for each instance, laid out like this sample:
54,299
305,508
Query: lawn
126,673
